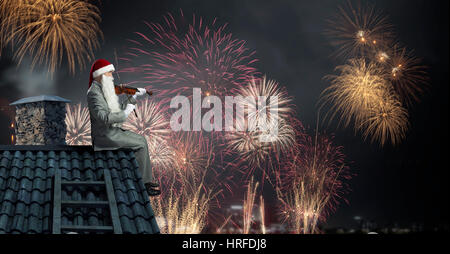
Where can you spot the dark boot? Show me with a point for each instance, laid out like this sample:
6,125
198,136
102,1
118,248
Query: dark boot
151,190
153,184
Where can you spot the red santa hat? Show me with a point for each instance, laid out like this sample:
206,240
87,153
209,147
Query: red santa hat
100,67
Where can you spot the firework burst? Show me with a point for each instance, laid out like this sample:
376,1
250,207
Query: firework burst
78,125
190,185
257,133
183,214
378,82
49,29
182,55
355,31
407,75
312,183
360,85
162,156
269,90
386,121
382,56
151,121
193,156
254,147
362,94
7,26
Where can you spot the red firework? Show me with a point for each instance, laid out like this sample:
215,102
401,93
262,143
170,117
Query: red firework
311,184
176,56
194,163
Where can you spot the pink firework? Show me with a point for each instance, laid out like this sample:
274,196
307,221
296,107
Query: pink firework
312,183
176,56
196,162
152,123
191,156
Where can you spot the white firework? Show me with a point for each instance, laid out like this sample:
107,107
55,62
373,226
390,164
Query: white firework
78,125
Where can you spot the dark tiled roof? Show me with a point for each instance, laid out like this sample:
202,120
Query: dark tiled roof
26,189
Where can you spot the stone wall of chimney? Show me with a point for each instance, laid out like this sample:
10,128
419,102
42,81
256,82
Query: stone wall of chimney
41,123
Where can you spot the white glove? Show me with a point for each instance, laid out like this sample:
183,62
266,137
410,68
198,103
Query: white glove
140,92
129,109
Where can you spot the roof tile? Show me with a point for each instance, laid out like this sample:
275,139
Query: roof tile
4,162
26,189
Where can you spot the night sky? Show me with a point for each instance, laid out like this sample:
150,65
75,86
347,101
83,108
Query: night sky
407,183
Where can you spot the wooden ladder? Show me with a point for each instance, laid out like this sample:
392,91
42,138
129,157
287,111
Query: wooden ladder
58,204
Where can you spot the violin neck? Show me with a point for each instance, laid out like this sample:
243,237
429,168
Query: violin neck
127,87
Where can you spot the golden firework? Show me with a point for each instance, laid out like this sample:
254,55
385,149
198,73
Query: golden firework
248,206
303,207
362,94
359,85
312,183
183,214
408,77
51,29
183,207
382,56
7,26
193,157
262,214
386,121
356,30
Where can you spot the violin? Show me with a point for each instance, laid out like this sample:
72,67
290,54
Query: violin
124,89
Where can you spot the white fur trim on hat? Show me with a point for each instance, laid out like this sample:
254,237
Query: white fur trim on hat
103,70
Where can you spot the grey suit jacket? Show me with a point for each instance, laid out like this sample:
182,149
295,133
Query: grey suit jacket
104,135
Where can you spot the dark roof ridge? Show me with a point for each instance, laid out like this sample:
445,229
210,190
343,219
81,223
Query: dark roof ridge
52,148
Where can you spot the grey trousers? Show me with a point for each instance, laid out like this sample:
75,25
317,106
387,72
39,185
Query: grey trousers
139,145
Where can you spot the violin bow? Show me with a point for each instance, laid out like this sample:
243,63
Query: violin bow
120,80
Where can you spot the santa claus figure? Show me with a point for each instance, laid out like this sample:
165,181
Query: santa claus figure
107,115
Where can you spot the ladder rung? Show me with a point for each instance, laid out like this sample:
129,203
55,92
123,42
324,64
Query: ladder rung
87,228
87,183
85,203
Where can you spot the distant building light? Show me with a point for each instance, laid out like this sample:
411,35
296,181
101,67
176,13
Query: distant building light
236,207
357,218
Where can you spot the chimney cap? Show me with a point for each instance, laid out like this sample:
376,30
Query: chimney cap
39,98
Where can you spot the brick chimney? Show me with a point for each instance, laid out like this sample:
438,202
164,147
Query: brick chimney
40,120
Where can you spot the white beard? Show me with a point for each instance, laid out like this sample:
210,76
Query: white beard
110,96
109,93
